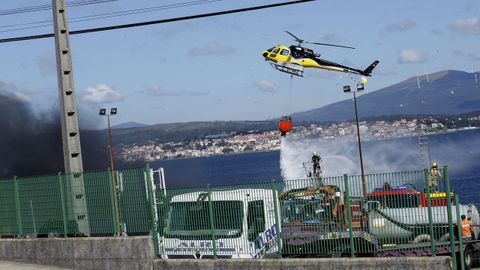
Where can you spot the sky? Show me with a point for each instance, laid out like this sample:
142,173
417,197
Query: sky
212,69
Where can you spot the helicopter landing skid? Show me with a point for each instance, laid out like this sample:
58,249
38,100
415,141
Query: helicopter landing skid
296,70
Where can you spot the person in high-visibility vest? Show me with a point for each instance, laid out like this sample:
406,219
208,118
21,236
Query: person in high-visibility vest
466,227
432,177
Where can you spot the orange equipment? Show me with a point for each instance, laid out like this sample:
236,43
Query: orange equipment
285,124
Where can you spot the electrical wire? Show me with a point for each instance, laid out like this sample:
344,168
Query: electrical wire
47,23
15,11
145,23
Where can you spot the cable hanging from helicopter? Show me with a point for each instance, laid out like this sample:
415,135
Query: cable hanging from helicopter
295,58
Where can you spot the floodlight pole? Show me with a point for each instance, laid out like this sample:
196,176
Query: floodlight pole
103,112
364,185
72,152
347,89
110,143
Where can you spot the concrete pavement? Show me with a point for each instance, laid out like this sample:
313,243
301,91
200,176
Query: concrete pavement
23,266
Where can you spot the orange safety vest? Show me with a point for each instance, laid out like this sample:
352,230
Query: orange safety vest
466,228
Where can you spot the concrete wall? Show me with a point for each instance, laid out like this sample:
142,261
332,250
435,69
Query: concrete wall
81,253
421,263
137,253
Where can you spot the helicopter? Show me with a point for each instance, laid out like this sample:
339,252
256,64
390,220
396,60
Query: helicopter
295,58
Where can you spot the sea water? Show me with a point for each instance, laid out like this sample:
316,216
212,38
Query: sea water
459,150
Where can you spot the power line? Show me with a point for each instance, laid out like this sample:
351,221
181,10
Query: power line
46,23
15,11
138,24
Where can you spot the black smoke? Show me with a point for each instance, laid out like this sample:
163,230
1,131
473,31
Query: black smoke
31,143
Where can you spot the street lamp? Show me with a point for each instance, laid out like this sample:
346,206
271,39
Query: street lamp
347,89
103,112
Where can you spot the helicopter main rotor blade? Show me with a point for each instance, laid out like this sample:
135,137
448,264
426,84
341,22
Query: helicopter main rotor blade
298,39
331,45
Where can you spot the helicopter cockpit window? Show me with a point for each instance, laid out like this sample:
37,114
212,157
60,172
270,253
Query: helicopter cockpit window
271,49
276,50
284,52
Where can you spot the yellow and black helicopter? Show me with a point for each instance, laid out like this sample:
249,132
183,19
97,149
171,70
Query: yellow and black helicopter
294,59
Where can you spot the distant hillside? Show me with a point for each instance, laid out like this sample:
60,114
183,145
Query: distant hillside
189,130
447,92
129,125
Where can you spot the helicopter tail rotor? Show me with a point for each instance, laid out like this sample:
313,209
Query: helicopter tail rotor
369,69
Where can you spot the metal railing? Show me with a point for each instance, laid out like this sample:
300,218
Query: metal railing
401,215
41,206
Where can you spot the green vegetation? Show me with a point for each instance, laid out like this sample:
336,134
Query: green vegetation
176,132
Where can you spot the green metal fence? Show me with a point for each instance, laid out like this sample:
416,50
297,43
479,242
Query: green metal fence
399,214
42,206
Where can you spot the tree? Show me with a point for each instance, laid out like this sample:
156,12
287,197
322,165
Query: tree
222,143
198,146
227,150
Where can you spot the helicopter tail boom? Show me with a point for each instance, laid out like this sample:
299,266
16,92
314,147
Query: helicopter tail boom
369,69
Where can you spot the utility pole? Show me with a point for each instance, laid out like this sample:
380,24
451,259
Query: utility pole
72,152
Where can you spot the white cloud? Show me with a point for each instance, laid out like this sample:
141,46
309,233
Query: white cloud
470,26
266,86
401,26
458,53
213,48
101,93
473,57
412,56
159,91
169,31
469,56
331,38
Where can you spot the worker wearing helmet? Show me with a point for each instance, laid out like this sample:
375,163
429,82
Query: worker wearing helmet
316,163
433,174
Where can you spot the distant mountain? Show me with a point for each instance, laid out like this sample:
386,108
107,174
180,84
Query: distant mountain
129,125
445,92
